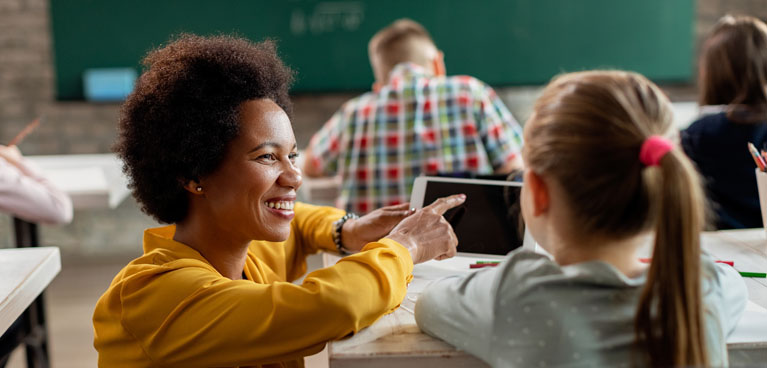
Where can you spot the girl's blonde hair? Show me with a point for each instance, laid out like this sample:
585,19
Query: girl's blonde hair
586,132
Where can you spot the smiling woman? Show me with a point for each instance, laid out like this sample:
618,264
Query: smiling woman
252,190
207,143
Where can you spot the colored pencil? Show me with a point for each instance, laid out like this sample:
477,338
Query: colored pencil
483,262
23,133
731,263
760,275
482,265
757,158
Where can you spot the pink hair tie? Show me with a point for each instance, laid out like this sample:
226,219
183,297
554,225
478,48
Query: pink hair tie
653,149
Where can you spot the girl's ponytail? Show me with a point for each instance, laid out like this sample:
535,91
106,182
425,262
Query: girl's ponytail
669,320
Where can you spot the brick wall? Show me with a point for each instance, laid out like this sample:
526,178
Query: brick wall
27,91
27,88
709,11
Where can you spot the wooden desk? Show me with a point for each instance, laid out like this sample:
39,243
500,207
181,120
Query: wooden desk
24,274
748,248
395,340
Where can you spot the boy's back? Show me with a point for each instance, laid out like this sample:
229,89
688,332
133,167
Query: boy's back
416,124
416,121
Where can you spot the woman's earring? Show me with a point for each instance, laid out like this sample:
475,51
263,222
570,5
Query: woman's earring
199,189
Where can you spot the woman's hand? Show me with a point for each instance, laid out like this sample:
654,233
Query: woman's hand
373,226
426,234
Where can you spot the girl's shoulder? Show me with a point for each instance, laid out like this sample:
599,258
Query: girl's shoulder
526,272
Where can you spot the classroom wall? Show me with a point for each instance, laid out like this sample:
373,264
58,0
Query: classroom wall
27,84
27,91
709,11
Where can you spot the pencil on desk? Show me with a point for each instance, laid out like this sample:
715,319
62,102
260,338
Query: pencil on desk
485,262
481,265
731,263
760,275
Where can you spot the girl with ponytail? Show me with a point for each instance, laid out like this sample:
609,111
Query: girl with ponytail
604,177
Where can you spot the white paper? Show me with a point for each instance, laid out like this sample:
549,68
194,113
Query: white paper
752,327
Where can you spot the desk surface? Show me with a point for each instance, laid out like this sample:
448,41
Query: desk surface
92,181
395,340
24,274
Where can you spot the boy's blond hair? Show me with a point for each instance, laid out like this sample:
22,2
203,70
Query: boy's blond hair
404,40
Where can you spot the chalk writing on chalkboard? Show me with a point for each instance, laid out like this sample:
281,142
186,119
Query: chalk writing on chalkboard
327,17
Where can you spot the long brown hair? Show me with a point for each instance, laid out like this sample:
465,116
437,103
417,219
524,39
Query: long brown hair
586,130
732,68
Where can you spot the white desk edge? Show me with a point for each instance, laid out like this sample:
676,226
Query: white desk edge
33,284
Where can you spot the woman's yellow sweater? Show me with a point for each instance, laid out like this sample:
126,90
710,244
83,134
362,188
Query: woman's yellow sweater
171,308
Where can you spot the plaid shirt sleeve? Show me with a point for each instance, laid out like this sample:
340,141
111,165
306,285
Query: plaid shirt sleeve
326,143
499,131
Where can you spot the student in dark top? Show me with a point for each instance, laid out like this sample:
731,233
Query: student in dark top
732,79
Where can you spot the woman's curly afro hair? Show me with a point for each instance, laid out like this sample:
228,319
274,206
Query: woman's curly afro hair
184,112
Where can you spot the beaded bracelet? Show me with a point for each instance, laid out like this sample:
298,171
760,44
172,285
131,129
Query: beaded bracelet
337,227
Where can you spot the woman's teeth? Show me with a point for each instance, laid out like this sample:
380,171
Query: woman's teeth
282,205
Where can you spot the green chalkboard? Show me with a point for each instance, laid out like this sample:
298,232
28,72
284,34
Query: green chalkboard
503,42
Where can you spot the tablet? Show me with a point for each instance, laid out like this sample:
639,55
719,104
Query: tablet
489,222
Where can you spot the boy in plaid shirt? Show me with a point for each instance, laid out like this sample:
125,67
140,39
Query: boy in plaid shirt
416,121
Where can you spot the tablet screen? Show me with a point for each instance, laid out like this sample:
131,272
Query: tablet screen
489,222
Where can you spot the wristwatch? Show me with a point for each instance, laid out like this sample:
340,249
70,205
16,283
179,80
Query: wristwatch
337,227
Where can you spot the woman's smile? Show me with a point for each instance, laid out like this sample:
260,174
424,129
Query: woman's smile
281,206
